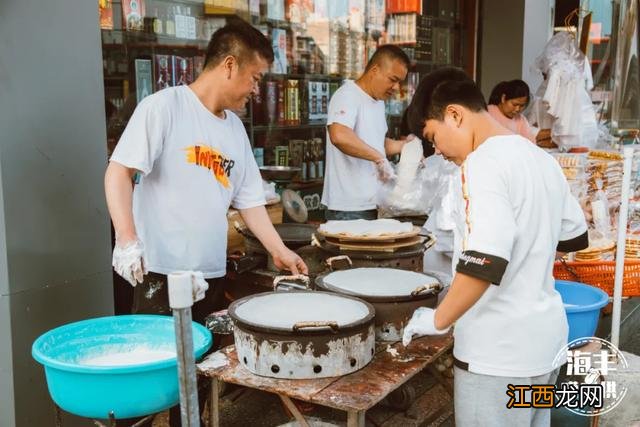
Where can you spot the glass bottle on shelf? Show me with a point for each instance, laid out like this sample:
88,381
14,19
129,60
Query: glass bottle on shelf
178,20
157,22
170,25
311,161
320,161
303,165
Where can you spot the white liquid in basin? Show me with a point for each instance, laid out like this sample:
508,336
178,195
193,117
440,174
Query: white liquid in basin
133,357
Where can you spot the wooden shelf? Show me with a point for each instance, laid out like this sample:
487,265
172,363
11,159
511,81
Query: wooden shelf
327,77
118,38
312,125
404,43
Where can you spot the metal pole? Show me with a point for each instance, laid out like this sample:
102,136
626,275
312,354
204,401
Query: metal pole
189,409
620,252
181,300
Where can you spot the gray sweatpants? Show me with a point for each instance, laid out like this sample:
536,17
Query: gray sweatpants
481,400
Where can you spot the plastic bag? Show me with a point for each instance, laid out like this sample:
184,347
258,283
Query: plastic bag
270,191
418,194
562,102
600,213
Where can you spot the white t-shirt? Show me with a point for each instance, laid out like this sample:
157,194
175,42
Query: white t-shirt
194,166
518,211
350,183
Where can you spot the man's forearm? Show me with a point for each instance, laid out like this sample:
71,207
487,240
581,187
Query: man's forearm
393,146
346,140
465,291
119,193
258,221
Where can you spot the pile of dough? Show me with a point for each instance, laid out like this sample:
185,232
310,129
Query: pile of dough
407,168
365,228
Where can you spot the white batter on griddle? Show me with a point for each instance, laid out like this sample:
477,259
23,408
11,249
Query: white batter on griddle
378,281
363,227
134,357
283,310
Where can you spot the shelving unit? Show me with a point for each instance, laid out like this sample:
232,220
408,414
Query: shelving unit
323,47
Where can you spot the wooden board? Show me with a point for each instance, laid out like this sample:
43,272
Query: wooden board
375,246
383,238
359,391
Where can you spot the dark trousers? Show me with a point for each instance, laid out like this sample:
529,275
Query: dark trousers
348,215
152,297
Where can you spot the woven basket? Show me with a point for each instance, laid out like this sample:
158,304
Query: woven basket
601,274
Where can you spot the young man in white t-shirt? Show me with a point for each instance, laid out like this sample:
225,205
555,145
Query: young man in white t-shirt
517,211
195,160
357,146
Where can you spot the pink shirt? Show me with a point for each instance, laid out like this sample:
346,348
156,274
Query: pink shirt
518,124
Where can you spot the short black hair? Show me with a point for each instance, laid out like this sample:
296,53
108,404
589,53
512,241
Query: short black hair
416,113
240,40
511,89
462,92
388,52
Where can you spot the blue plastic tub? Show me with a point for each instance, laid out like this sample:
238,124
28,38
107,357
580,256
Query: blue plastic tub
582,304
130,390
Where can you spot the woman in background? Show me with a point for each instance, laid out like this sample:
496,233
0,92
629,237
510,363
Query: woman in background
506,103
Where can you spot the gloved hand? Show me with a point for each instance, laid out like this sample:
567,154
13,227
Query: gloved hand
421,323
384,169
199,285
128,261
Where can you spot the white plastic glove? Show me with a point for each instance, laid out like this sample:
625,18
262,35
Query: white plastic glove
384,170
199,286
128,261
421,323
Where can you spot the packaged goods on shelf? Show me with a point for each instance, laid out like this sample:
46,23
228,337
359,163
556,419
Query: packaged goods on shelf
258,154
144,78
275,9
318,99
574,167
162,72
133,12
279,44
375,15
605,167
106,14
182,70
282,155
292,102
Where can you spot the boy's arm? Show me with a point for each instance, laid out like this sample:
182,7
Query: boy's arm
464,292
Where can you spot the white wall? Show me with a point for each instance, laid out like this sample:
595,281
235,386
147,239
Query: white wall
512,35
55,245
538,29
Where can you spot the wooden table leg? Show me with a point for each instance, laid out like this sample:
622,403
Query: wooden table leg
294,410
441,379
355,418
214,403
58,416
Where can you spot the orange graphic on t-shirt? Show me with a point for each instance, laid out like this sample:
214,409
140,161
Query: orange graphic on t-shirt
212,159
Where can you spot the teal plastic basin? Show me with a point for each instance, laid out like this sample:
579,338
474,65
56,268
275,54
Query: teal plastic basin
129,390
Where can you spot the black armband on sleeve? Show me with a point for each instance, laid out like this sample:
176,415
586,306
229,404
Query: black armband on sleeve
575,244
482,266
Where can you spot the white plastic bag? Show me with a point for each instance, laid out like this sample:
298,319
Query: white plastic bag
562,102
430,188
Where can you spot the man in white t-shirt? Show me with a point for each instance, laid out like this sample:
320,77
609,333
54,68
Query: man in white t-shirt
195,161
357,146
517,211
